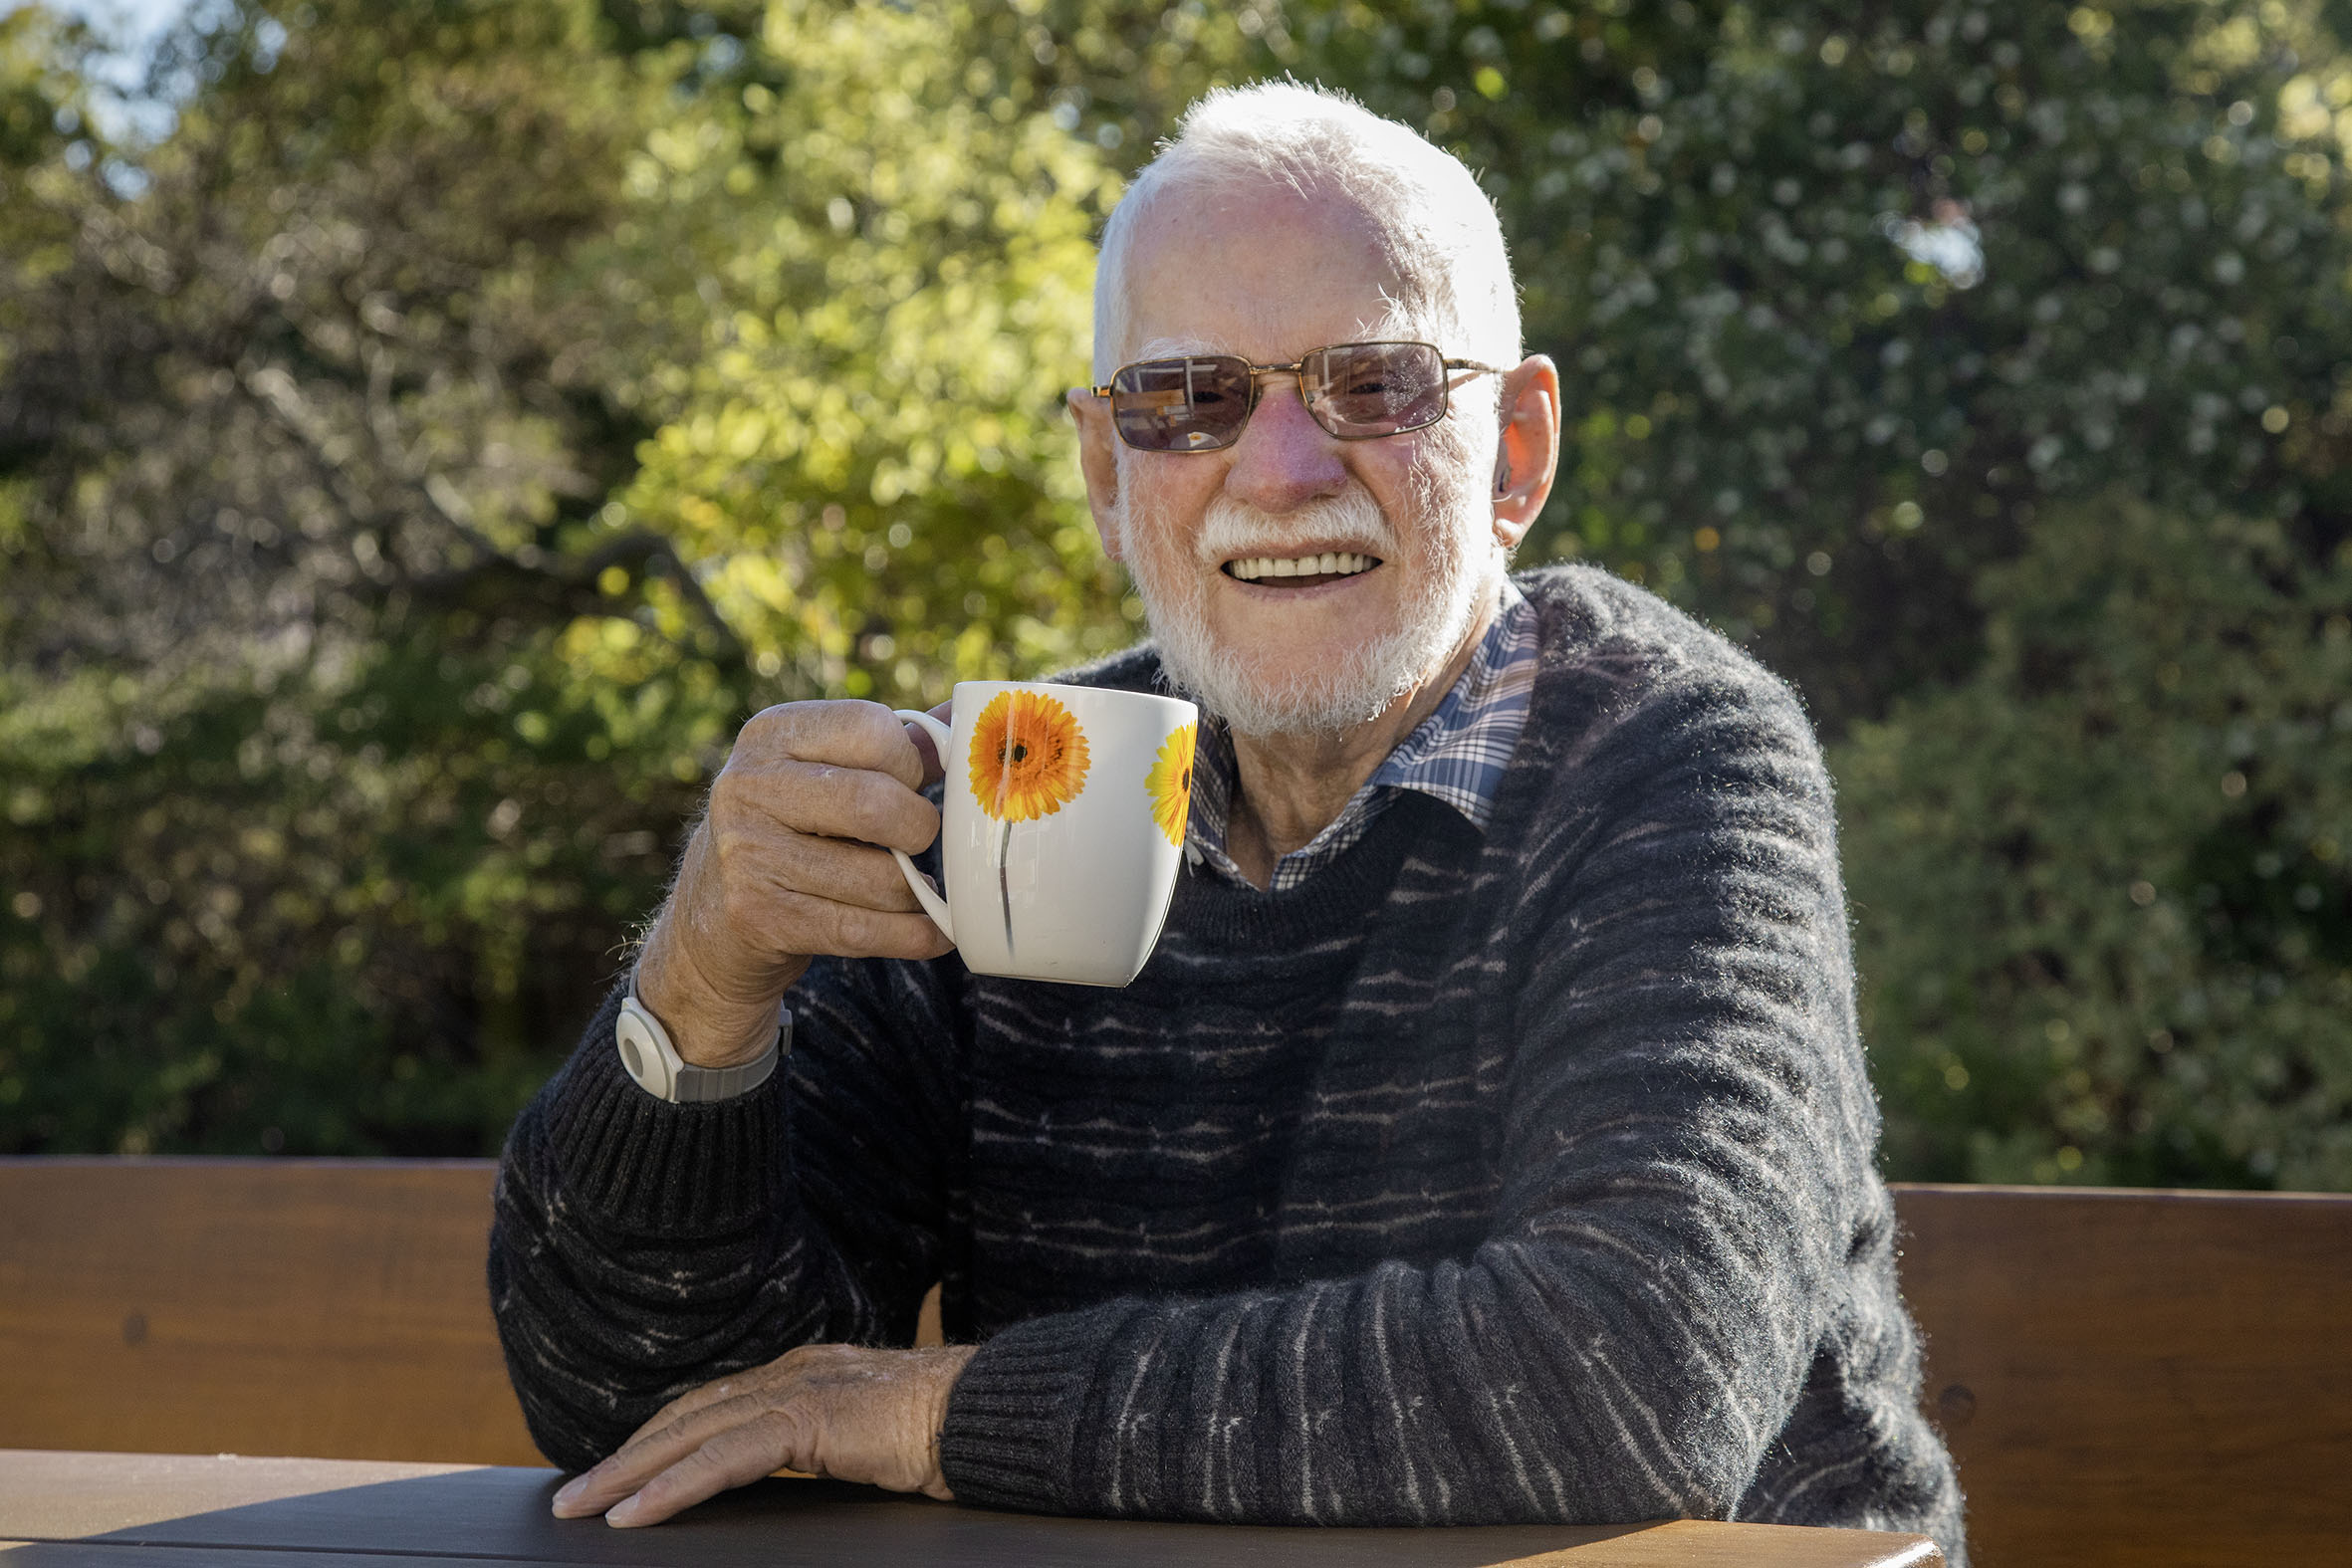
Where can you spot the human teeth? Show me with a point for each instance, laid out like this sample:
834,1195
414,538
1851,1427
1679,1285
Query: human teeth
1331,562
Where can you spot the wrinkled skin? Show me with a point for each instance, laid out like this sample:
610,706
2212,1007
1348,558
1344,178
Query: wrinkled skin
791,860
843,1411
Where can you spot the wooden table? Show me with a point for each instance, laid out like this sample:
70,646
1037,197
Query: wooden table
142,1510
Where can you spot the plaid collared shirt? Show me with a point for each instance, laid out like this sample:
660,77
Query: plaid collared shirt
1457,754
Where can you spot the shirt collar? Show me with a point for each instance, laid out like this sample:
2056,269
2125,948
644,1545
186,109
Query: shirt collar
1456,754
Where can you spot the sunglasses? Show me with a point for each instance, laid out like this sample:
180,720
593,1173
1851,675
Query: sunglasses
1356,391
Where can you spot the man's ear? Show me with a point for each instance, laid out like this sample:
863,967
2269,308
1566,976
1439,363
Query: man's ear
1529,448
1099,461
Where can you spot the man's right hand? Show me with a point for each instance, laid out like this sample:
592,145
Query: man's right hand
783,867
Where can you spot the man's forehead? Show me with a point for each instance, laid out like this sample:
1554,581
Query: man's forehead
1289,339
1260,270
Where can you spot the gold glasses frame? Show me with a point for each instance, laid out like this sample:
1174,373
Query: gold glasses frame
1309,368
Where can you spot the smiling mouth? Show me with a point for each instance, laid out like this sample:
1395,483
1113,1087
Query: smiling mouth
1299,572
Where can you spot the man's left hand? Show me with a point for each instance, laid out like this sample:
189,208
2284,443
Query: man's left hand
856,1414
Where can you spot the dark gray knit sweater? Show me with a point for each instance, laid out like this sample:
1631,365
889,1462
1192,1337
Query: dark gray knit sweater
1504,1177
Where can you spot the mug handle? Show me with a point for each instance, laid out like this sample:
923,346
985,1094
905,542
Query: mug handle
925,893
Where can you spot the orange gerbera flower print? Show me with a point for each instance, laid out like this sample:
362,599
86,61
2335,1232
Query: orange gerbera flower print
1029,756
1170,782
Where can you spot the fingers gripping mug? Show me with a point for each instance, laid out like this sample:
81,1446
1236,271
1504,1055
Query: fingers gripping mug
1062,828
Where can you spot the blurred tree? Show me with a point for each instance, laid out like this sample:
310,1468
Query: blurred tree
416,465
871,235
878,265
1841,297
1118,73
354,441
313,836
2104,886
312,354
1986,370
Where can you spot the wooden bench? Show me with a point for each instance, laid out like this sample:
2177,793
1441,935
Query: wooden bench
2152,1378
2144,1378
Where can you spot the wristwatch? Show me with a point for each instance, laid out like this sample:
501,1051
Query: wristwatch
648,1056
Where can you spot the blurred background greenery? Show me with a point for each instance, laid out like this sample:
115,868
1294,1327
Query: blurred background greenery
428,428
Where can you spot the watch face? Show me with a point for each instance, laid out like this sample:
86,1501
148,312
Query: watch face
642,1051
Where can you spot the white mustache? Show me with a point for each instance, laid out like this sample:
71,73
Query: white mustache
1351,520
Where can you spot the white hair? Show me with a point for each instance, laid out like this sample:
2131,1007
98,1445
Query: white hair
1438,231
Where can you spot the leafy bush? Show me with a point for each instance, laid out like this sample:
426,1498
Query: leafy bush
353,443
1842,296
417,465
345,911
2105,885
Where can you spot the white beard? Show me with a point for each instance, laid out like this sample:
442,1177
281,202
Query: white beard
1445,595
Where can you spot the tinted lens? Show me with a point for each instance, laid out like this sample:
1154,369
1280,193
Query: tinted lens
1181,405
1378,389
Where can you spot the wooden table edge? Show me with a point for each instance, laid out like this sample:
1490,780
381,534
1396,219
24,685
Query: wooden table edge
180,1486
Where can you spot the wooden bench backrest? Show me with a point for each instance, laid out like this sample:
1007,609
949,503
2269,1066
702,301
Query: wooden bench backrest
329,1308
2139,1376
2142,1378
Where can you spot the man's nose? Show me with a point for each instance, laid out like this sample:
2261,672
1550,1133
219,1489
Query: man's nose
1284,459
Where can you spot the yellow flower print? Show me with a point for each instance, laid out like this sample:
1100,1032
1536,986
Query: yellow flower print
1029,756
1170,782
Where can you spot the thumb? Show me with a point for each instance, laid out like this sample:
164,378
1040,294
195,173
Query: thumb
934,765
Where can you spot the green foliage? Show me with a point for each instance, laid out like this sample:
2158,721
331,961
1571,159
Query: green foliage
415,467
347,910
355,442
1782,419
2105,885
300,411
315,838
869,233
886,262
2050,530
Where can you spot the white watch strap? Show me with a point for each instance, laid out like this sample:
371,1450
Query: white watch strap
647,1056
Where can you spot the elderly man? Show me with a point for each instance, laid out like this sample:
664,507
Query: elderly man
1488,1138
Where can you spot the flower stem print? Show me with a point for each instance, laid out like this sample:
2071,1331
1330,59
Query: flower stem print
1170,782
1028,759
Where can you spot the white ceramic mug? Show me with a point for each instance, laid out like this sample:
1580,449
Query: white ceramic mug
1062,828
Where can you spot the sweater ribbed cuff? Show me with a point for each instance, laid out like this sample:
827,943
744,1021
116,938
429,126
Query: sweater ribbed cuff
643,1165
1010,1420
